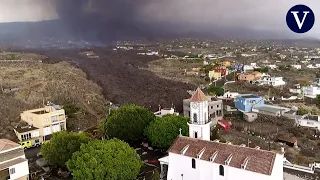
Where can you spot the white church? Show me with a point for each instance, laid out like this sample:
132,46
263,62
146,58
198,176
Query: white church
198,158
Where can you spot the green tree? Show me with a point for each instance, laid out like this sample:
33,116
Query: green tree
262,70
105,160
302,111
163,131
128,122
215,133
155,175
216,90
318,100
300,96
61,147
70,109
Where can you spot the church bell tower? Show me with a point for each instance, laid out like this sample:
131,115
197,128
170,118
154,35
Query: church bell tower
199,124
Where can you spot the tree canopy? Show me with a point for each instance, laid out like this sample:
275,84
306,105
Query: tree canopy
163,131
219,91
128,122
61,147
318,100
105,160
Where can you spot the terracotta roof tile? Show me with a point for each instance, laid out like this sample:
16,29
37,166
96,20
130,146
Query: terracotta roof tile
6,144
259,161
198,96
11,163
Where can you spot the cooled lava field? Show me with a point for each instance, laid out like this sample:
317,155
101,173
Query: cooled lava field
123,76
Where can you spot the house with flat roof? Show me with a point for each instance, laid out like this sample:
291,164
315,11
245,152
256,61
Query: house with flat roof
29,136
245,102
42,122
13,163
308,120
251,105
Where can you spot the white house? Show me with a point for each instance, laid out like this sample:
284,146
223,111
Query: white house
274,81
310,90
308,120
250,67
13,163
196,159
297,66
230,95
165,111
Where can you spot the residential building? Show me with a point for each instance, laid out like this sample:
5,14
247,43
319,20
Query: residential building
214,106
296,66
273,81
237,67
13,163
225,63
213,75
29,136
245,77
197,159
308,120
250,104
48,120
249,76
222,70
230,94
246,102
311,90
165,111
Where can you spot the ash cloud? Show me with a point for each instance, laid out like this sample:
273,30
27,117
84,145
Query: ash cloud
114,19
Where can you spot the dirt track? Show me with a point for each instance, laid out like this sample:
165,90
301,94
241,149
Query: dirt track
122,78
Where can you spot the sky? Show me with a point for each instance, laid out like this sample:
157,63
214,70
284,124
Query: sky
191,15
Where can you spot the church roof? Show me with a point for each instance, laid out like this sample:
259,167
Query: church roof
250,159
198,96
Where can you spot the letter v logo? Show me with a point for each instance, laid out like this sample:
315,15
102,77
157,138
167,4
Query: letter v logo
296,17
300,19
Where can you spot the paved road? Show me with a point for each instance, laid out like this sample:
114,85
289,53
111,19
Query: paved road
32,152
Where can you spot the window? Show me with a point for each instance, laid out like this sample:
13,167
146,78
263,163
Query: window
195,134
211,107
62,127
221,170
195,117
217,106
193,163
310,123
12,170
36,141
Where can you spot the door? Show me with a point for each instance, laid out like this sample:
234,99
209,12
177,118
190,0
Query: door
195,134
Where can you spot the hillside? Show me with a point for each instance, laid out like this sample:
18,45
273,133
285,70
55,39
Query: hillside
38,82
